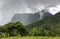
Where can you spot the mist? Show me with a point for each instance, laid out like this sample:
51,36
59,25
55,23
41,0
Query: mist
10,7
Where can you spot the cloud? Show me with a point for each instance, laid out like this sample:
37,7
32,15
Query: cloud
38,5
10,7
43,1
55,9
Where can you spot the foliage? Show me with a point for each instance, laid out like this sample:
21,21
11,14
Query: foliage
49,26
13,29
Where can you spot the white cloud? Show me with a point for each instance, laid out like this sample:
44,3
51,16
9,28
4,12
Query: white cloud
1,17
40,7
54,10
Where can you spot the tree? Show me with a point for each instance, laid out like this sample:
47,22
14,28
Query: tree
16,28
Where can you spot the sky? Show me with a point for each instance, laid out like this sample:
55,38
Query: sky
10,7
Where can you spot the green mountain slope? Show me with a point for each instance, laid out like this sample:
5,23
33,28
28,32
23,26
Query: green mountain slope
48,21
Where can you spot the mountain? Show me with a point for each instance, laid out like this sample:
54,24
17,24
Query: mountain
53,21
45,13
26,18
29,18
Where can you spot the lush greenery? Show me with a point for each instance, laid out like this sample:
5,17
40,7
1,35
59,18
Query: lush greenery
32,37
13,29
49,26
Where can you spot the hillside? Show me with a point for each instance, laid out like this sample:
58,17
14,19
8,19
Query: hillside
29,18
48,26
48,21
26,18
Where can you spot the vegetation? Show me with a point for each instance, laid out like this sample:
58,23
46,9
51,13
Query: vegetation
13,29
49,26
32,37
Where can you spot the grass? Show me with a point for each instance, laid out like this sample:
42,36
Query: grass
32,37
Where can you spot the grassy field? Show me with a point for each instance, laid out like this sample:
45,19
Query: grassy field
31,37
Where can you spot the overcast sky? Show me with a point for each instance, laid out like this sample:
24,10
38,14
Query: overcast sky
10,7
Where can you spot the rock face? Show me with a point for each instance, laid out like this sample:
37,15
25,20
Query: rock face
26,18
45,13
29,18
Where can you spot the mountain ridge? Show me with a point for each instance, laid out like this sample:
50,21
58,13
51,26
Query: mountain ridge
54,20
28,18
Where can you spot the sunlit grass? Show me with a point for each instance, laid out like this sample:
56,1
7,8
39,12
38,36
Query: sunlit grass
32,37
